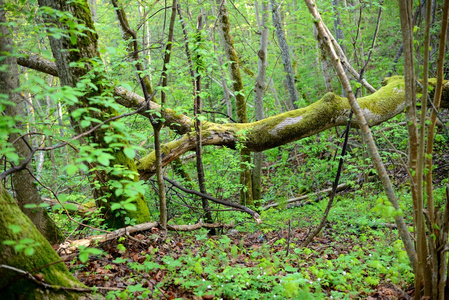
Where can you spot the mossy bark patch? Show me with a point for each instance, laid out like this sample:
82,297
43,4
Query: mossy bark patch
44,261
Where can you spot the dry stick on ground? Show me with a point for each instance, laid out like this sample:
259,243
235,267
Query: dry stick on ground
372,148
73,245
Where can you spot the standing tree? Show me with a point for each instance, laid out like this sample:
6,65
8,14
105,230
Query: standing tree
285,52
259,89
117,189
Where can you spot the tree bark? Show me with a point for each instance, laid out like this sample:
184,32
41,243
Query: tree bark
246,194
289,75
405,11
260,88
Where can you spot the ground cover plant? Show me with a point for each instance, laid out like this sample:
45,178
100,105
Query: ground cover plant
224,149
349,260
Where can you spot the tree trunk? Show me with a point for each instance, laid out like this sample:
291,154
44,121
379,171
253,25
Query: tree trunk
246,194
86,46
260,88
325,67
43,262
338,27
23,183
330,111
289,75
405,11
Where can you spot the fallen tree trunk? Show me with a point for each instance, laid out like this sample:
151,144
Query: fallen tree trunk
71,246
330,111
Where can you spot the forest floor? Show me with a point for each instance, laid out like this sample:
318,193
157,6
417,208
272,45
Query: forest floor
143,262
358,254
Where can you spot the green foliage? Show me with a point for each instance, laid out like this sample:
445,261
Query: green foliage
25,245
225,268
85,252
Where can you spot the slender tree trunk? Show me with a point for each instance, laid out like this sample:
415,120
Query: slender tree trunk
196,67
226,93
436,103
372,148
199,69
260,88
157,125
325,67
338,27
405,10
289,76
246,197
275,95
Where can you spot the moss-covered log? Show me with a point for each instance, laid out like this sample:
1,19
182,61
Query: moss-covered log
328,112
44,263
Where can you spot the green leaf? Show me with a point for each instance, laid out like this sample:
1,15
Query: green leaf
103,159
289,268
15,228
71,169
83,257
136,288
14,157
71,206
56,207
115,206
9,242
73,39
62,197
30,205
108,139
130,206
198,268
85,123
129,152
29,251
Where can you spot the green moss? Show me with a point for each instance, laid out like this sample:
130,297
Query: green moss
44,261
387,99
